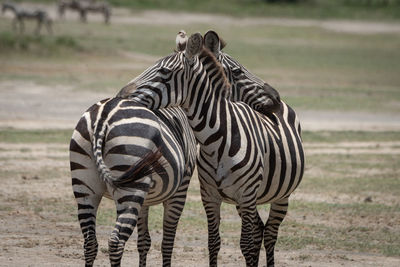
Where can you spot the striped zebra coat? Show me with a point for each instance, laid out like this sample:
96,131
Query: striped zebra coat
115,151
245,158
246,87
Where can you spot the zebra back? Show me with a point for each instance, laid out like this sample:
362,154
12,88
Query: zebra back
121,133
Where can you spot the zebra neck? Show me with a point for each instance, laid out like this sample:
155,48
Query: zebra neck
152,99
210,125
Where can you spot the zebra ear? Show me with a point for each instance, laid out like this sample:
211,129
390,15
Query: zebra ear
194,45
127,90
213,42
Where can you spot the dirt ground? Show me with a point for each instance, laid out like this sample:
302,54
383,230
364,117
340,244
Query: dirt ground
49,235
38,226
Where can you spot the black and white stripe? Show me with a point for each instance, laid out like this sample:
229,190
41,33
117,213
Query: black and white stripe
124,143
262,97
246,158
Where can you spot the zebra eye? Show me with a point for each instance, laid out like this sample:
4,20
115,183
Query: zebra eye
237,72
164,71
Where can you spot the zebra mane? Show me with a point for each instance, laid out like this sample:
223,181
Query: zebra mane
206,53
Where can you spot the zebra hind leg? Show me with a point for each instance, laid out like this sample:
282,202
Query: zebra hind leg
87,209
128,207
144,240
277,213
212,209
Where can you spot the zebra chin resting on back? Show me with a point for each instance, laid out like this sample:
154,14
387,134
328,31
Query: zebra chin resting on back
246,158
282,120
135,156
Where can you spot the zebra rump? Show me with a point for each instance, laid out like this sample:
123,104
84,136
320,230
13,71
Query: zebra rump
109,137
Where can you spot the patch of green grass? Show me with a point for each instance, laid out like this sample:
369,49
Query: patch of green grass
313,68
353,9
358,209
156,217
354,174
193,217
296,235
9,135
303,9
106,213
44,45
6,207
348,136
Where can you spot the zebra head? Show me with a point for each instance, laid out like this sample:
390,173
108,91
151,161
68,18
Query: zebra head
7,5
167,83
246,87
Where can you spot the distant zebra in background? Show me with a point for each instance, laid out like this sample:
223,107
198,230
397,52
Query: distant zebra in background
245,158
85,6
20,15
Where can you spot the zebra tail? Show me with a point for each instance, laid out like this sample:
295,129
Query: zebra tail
129,180
148,165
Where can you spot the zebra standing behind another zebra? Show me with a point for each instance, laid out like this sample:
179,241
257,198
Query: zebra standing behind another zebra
245,158
244,88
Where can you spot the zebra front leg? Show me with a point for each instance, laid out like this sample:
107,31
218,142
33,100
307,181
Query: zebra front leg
172,212
15,25
258,236
248,214
277,213
21,26
106,14
128,204
212,208
144,240
38,27
49,27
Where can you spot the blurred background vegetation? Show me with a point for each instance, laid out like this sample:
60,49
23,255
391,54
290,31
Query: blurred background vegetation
348,9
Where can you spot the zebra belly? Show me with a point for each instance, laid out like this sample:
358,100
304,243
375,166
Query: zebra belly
277,176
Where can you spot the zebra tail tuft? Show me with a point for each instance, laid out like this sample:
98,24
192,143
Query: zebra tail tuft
148,165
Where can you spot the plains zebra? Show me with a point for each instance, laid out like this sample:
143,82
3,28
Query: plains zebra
243,89
85,6
245,158
20,15
126,135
